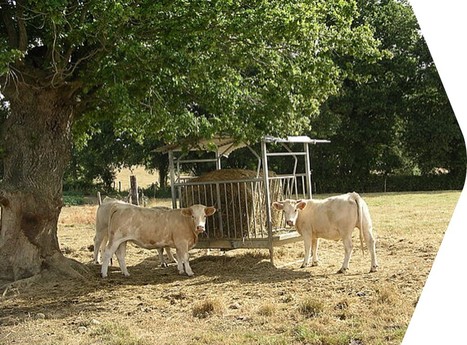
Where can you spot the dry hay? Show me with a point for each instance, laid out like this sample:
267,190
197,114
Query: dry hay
239,197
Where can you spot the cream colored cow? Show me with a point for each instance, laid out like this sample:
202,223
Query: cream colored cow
102,224
154,228
333,218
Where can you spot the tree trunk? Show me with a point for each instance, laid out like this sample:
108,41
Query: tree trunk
163,171
36,138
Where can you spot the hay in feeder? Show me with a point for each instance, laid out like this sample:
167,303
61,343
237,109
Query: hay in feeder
239,196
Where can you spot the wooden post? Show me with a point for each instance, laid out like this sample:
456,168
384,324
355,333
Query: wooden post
134,190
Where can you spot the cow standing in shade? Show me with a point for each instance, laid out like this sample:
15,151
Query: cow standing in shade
154,228
332,218
102,224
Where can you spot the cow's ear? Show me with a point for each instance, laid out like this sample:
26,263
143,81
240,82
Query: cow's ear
209,211
301,205
278,205
188,212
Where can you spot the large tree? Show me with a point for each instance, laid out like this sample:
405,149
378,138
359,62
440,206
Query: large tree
171,68
396,116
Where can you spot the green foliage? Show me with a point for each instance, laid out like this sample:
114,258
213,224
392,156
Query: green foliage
396,117
73,199
142,73
179,69
391,183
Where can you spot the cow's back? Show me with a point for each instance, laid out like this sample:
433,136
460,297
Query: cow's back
103,212
329,216
149,228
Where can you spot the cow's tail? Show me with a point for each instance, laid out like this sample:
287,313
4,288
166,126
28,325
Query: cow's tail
113,210
99,199
358,201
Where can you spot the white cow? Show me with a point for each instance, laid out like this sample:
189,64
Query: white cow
154,228
333,218
167,249
102,224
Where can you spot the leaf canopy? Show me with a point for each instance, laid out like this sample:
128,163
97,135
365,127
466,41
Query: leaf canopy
172,69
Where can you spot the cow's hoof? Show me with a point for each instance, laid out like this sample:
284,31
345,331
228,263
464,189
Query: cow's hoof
342,271
374,269
314,264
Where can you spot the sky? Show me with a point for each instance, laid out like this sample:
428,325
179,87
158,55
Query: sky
440,315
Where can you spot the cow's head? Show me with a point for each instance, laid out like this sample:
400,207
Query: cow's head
198,214
290,208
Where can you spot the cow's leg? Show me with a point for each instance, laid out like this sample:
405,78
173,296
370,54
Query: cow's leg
108,253
180,268
371,244
347,240
161,257
102,248
121,253
314,250
169,254
182,262
307,242
99,245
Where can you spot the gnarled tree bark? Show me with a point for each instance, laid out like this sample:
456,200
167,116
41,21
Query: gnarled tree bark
36,139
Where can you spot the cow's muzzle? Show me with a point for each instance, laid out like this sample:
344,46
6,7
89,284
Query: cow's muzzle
290,223
200,229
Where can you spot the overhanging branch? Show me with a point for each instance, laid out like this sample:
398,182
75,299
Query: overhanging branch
23,34
9,24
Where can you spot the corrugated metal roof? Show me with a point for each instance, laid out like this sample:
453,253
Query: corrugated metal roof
226,145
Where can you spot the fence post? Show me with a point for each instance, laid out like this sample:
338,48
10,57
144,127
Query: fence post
134,190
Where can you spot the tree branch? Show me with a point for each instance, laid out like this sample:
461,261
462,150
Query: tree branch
23,34
9,24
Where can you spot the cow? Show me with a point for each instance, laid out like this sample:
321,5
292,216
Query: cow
167,249
333,218
102,222
154,228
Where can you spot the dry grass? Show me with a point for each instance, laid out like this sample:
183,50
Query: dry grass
237,297
208,308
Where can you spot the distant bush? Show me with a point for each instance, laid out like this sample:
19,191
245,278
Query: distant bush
73,199
393,183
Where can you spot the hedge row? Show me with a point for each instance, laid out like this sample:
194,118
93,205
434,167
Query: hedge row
376,184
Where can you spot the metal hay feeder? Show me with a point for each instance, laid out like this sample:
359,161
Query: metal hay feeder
245,218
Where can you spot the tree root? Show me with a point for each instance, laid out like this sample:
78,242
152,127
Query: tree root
58,268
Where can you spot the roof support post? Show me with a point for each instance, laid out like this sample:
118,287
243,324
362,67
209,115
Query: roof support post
268,199
308,170
172,179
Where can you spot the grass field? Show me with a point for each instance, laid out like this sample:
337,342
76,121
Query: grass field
238,297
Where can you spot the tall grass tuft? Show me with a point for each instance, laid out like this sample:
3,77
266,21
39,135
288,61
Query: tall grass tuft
208,308
310,307
267,309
